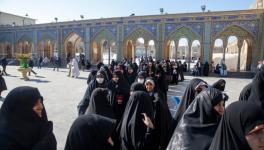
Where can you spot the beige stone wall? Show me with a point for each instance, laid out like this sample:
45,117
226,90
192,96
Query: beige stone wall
8,19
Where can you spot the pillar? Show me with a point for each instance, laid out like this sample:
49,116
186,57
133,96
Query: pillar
189,54
206,38
225,42
87,44
176,49
120,42
239,45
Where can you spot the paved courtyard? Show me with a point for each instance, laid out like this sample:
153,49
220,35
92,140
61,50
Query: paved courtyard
62,94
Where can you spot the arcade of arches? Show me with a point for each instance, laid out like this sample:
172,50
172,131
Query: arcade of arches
235,39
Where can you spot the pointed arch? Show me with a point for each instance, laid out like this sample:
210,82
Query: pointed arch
130,41
183,32
104,34
140,32
234,30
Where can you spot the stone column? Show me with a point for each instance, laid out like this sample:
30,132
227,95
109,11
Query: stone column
87,44
189,54
120,38
239,45
35,43
176,50
225,42
206,38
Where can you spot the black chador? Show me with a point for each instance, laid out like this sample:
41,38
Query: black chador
99,103
134,134
199,122
20,127
98,82
90,132
238,120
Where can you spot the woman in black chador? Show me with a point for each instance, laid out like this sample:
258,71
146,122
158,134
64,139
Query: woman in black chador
199,122
23,122
99,82
131,74
194,87
99,104
245,93
91,132
162,116
257,88
137,123
241,128
220,85
137,87
119,93
2,85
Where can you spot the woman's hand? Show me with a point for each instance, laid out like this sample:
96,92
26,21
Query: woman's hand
147,121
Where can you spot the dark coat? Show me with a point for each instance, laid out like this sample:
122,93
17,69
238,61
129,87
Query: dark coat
90,132
20,127
238,120
199,123
134,134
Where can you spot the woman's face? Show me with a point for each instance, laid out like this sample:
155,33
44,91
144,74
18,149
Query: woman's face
149,86
256,139
220,107
115,79
38,107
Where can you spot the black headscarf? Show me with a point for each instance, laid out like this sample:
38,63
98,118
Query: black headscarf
119,94
137,87
257,88
99,104
20,127
133,129
84,103
220,84
199,122
90,132
238,120
107,72
2,83
245,93
187,98
91,76
131,77
162,116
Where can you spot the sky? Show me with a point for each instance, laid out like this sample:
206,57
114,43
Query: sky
67,10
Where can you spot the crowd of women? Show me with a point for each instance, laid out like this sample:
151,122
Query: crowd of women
125,108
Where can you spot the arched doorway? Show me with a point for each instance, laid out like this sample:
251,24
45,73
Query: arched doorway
218,51
140,43
74,45
24,45
151,51
183,50
231,54
6,49
195,53
140,49
238,48
46,48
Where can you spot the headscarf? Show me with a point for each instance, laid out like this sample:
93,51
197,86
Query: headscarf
257,88
137,87
199,122
133,129
187,98
84,103
245,93
90,132
220,85
238,120
99,104
20,127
